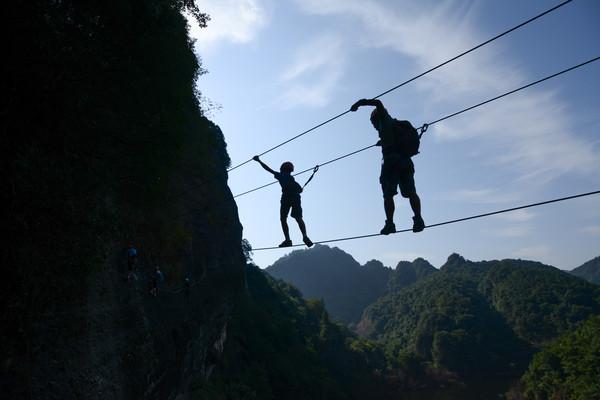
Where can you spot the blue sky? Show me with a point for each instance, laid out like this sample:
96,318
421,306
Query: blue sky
277,68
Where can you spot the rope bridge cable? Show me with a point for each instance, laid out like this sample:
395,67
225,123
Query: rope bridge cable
308,170
515,90
453,221
425,126
411,79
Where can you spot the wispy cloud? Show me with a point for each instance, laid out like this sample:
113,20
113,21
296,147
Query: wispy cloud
517,216
482,196
512,231
533,252
314,72
237,21
530,134
592,229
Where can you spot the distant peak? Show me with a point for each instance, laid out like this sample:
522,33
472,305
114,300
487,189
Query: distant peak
404,265
374,264
454,259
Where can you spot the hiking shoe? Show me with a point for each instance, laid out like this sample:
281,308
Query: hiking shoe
388,228
307,241
418,224
286,243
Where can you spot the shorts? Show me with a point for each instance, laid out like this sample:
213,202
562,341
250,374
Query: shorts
397,171
293,204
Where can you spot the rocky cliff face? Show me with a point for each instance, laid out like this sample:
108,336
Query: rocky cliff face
120,342
103,142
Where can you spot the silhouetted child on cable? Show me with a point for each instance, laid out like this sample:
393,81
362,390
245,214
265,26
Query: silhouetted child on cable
290,199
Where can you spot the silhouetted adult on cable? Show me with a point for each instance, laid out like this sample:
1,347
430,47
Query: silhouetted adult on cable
397,168
290,199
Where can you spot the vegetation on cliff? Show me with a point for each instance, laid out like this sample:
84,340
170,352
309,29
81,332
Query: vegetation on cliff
103,141
568,368
282,346
590,271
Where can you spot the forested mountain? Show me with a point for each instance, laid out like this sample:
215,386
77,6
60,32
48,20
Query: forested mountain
568,368
104,143
589,271
334,276
407,273
480,317
539,302
281,346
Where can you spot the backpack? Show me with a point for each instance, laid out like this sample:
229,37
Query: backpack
297,187
405,140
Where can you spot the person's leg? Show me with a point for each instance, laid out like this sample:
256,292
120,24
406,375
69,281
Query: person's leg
389,207
285,228
389,183
415,204
297,215
283,213
408,190
302,226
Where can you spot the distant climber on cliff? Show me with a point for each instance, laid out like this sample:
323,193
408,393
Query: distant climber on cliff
290,199
399,141
132,259
156,279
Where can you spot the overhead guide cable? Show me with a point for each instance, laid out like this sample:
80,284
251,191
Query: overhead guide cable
441,119
410,80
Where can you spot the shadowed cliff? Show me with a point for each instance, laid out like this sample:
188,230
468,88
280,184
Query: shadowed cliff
103,143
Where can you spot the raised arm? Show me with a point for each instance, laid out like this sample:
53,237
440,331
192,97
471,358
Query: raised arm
368,102
262,164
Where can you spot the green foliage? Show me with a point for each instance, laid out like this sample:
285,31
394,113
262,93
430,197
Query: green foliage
590,271
480,318
568,368
407,273
281,346
444,320
538,301
103,142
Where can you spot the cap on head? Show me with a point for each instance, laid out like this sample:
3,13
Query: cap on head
287,167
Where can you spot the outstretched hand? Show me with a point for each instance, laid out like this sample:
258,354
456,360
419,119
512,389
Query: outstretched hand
255,158
355,106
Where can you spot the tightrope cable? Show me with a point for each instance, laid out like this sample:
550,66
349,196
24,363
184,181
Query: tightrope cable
410,80
426,125
453,221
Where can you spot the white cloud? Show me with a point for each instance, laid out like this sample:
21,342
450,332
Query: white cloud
533,252
517,216
592,229
512,231
482,196
530,133
314,72
237,21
